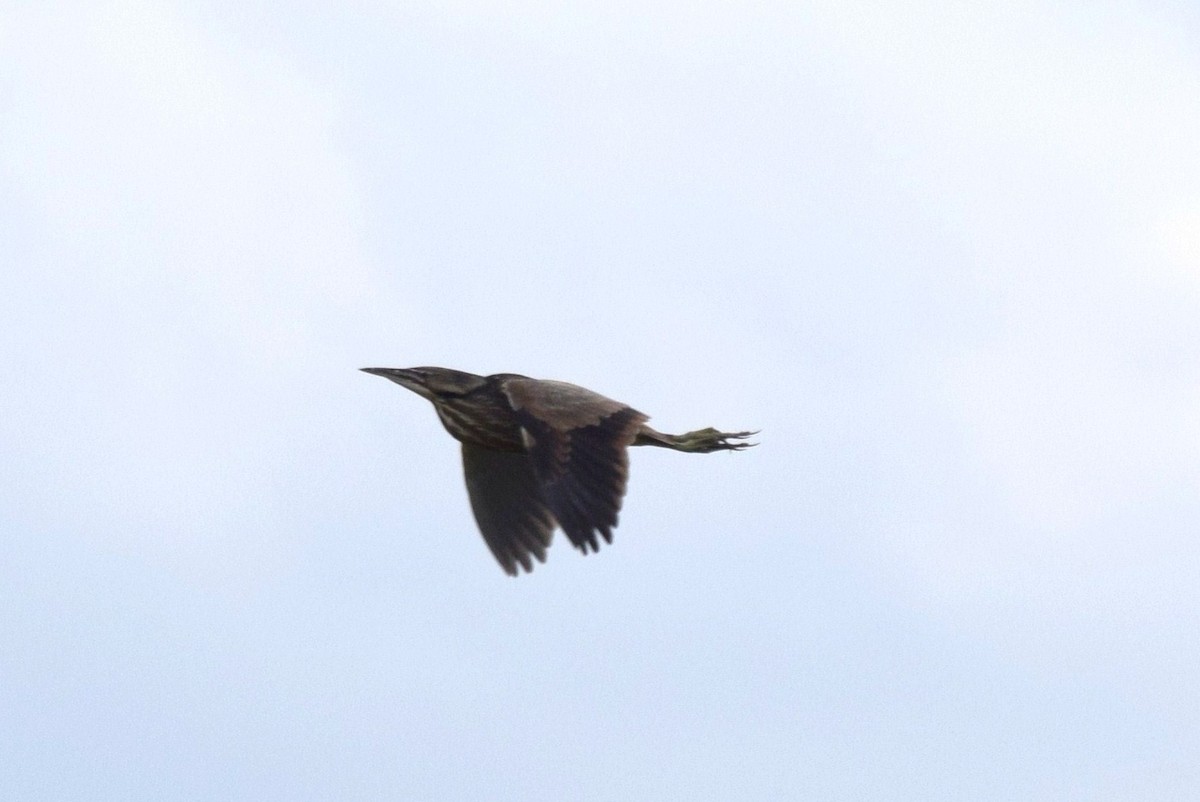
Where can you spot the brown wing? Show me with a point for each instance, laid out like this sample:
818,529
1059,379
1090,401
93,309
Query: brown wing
508,506
578,443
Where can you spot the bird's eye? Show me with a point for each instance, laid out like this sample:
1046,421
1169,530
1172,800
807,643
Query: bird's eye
447,389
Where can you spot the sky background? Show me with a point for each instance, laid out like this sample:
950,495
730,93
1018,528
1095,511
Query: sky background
945,256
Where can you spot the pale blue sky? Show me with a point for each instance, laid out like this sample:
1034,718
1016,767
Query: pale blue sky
947,258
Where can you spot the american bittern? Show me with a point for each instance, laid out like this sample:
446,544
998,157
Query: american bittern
539,453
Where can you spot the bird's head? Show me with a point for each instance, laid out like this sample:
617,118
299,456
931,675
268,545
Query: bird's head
431,383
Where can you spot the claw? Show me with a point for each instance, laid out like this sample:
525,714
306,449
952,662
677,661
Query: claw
710,439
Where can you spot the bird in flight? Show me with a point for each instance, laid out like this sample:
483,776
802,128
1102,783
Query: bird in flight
537,454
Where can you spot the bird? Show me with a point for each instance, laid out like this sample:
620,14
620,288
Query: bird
539,454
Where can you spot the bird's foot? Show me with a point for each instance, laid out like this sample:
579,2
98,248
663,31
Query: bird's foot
702,441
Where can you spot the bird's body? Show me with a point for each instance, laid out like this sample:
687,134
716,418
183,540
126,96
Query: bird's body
539,453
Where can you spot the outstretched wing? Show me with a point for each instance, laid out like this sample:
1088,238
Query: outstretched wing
578,443
508,506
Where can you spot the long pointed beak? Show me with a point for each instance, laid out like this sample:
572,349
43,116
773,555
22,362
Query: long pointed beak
408,379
